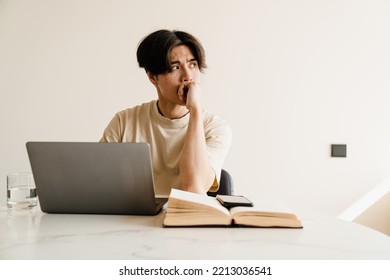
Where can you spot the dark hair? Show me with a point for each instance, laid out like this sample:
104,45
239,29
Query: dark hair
154,50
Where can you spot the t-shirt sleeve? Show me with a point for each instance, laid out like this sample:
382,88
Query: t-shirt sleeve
218,139
113,132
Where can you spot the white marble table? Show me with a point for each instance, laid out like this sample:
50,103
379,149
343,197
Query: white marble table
36,235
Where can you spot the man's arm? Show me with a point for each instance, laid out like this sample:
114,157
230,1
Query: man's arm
197,174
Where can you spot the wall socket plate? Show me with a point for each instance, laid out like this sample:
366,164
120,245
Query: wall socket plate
339,150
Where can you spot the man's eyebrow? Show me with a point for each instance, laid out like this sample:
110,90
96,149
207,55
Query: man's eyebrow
178,62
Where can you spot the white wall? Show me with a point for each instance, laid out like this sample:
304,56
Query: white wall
291,77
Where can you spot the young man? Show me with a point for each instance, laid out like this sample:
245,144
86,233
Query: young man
188,145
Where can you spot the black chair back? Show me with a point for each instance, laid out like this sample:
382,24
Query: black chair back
225,184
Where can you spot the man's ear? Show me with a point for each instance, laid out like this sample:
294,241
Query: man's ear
152,78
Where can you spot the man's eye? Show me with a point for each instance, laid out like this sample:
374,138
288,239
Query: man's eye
193,65
175,67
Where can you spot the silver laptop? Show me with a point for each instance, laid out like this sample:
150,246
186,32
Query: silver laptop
94,178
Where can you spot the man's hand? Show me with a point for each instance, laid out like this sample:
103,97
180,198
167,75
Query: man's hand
190,93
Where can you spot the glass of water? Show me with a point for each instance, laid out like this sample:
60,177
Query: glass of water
21,192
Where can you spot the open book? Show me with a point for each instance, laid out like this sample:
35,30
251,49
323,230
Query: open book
191,209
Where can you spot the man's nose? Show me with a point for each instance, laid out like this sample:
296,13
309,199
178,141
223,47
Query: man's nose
186,75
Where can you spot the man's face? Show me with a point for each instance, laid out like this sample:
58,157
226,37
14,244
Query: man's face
184,69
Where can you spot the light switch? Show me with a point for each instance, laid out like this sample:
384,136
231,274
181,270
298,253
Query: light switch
339,150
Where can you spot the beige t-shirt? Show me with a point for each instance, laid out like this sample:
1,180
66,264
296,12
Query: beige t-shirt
144,123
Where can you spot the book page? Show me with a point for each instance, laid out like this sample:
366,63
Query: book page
199,199
264,207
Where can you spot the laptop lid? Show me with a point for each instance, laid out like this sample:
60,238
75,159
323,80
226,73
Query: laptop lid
93,178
